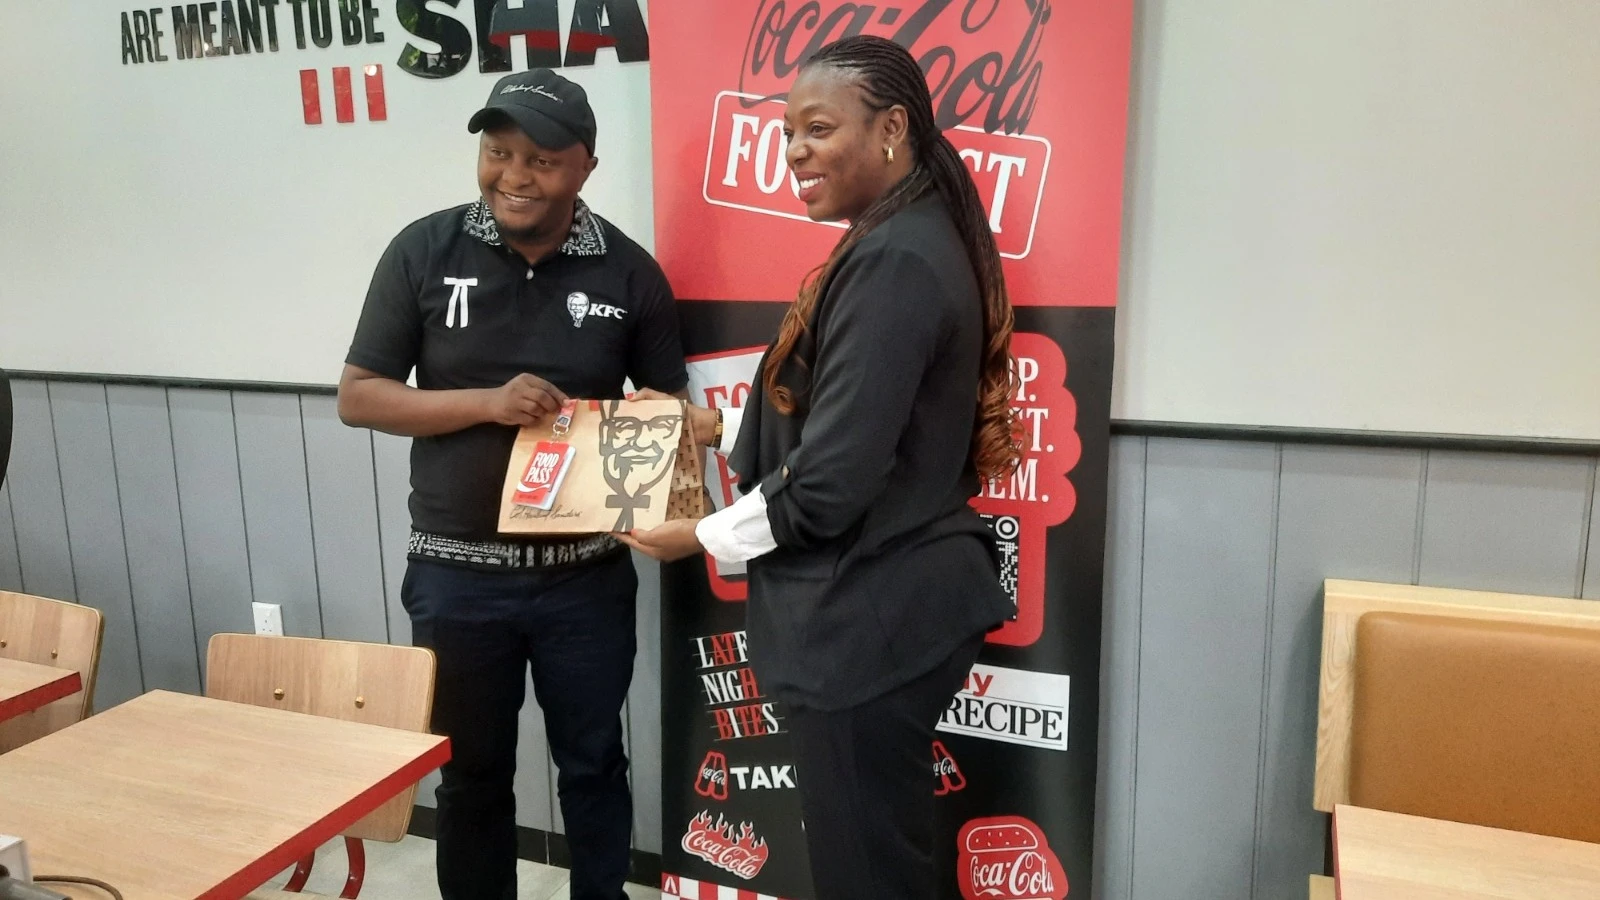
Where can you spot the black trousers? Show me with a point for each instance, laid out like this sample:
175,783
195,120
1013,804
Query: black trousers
575,629
866,787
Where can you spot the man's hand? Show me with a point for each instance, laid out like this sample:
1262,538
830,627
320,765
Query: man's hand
368,399
702,421
668,542
524,400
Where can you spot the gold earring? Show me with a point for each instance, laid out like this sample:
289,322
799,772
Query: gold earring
889,152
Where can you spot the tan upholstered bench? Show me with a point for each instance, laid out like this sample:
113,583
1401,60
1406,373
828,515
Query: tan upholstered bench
1487,722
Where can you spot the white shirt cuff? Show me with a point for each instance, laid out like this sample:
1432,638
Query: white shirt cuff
732,416
738,533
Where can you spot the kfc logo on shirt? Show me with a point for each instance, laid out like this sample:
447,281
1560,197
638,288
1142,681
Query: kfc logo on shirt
743,854
1008,858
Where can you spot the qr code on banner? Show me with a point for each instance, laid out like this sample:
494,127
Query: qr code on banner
1007,530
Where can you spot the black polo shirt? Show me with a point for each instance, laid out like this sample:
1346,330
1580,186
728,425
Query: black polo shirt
452,301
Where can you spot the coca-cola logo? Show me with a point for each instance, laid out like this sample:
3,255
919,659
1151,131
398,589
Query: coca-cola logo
980,56
1025,875
743,853
946,772
712,781
1008,858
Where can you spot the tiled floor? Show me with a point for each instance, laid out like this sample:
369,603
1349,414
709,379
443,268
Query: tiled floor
404,871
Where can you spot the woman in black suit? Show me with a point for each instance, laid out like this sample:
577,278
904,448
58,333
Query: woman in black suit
887,398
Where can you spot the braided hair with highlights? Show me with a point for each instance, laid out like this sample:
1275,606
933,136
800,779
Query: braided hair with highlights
888,76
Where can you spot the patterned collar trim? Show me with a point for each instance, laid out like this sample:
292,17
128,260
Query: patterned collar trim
586,238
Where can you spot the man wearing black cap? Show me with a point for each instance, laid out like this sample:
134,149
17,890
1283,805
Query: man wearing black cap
505,307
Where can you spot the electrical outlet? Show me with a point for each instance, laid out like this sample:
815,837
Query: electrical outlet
269,618
14,858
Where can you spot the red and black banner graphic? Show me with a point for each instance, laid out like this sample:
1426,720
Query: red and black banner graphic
1033,94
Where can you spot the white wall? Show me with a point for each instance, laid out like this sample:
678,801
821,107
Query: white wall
179,218
1366,214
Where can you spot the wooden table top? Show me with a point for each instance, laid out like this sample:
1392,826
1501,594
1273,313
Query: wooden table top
1389,856
176,797
25,686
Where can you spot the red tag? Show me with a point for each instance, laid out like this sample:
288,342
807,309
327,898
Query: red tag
542,480
564,419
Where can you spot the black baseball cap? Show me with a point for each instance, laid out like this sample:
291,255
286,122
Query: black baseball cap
550,109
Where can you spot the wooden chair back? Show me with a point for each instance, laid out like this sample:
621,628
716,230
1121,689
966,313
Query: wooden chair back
377,684
50,633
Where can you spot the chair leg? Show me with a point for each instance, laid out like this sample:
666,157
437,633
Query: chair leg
357,854
302,871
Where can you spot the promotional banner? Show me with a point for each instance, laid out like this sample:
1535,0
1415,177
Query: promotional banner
1033,94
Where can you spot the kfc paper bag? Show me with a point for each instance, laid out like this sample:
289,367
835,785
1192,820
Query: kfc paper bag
619,465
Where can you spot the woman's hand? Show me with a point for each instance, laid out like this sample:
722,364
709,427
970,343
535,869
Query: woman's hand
702,421
668,542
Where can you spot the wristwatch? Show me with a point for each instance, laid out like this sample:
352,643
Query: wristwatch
716,434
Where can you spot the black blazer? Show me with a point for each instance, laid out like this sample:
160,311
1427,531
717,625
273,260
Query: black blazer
882,567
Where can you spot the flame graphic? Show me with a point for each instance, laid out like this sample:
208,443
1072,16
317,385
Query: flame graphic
723,829
743,853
